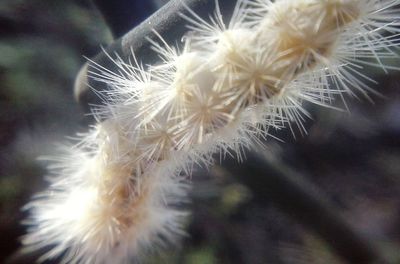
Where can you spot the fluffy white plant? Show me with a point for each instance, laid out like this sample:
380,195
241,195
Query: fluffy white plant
114,196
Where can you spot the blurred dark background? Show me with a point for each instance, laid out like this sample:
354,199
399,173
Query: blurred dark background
353,157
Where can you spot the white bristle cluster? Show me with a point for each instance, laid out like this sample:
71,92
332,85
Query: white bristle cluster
115,196
105,205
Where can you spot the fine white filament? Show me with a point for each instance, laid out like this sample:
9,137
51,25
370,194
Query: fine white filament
115,195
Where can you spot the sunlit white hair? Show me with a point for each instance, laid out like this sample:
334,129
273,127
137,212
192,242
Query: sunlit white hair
222,91
101,207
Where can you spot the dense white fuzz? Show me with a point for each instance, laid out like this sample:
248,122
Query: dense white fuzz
105,206
111,197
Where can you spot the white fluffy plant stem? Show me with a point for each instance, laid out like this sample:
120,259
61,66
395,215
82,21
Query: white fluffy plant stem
221,92
103,206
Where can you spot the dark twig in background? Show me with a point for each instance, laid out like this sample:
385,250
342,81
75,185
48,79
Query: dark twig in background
272,181
166,21
122,15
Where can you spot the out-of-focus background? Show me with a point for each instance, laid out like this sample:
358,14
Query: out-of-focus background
353,157
42,46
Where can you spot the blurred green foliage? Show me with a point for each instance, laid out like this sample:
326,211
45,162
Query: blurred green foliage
42,46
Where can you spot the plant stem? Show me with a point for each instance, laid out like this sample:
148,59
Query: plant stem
122,15
291,192
166,21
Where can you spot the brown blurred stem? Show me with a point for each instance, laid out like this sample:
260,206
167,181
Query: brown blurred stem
291,192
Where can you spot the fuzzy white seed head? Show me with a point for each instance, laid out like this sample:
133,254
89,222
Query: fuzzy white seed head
112,196
102,209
